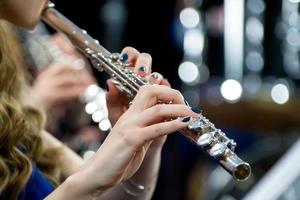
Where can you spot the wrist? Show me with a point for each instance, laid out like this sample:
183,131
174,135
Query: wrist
84,186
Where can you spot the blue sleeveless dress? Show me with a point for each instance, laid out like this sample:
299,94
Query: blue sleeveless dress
37,188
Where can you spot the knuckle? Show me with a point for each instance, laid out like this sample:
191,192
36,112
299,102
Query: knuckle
146,89
130,50
178,94
127,48
158,109
146,56
158,129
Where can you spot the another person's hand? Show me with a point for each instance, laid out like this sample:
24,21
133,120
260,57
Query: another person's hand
61,82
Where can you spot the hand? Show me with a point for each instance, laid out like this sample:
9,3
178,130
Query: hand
123,151
61,82
118,102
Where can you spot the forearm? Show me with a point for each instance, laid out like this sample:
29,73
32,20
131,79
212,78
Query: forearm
145,176
70,161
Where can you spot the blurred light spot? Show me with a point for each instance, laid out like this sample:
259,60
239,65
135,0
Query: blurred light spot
280,93
90,92
254,61
231,90
87,155
293,37
256,6
193,42
293,19
291,64
104,125
234,15
295,1
254,30
252,84
90,108
97,116
189,17
214,96
204,74
188,72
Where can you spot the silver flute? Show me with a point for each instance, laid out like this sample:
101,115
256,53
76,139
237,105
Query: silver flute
201,131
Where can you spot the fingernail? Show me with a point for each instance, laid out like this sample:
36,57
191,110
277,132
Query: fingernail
142,69
197,110
124,57
155,75
186,119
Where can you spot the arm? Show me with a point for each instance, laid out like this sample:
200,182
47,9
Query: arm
121,155
146,176
70,161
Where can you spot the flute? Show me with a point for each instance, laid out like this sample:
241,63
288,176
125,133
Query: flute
201,131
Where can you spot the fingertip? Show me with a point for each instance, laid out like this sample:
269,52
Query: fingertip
155,78
129,54
165,82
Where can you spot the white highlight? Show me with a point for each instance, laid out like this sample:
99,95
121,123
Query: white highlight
294,1
90,92
188,72
280,93
189,17
254,61
231,90
104,125
234,38
254,30
90,108
87,155
193,42
98,116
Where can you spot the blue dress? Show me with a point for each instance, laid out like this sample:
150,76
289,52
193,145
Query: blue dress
37,188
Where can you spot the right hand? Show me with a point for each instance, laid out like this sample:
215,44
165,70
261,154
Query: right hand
123,151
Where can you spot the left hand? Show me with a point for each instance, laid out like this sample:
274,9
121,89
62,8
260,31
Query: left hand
117,102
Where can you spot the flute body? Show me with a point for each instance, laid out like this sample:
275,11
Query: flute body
201,131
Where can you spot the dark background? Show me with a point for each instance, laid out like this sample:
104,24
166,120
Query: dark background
153,27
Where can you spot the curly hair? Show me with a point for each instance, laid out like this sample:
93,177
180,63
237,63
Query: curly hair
20,125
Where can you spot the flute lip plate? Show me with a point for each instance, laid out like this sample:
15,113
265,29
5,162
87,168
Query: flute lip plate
242,172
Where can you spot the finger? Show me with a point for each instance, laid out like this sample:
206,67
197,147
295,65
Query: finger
112,89
157,130
129,55
150,95
165,82
155,78
163,112
67,80
60,67
70,93
143,64
114,96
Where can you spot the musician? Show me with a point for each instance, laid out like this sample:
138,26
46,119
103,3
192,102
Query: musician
58,84
32,162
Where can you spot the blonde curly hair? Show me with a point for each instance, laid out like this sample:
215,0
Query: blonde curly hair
20,125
